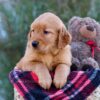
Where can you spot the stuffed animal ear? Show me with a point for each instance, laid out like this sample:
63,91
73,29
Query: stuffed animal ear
64,37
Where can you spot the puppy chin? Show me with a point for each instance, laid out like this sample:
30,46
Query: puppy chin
42,50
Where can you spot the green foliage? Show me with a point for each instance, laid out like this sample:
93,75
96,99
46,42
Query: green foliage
16,17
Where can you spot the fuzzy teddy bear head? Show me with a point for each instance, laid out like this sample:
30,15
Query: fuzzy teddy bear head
84,29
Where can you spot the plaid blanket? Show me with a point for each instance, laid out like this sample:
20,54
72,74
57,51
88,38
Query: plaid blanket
80,84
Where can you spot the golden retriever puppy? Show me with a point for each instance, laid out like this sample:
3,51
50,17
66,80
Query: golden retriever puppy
48,49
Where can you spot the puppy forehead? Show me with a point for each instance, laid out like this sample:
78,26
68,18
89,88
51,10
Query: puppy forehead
47,20
41,26
38,26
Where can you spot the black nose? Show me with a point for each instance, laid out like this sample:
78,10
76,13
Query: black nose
35,43
90,28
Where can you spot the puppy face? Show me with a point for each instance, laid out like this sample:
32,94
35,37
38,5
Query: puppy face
42,37
47,32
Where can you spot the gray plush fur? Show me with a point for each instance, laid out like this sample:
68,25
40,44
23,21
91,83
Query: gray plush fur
80,50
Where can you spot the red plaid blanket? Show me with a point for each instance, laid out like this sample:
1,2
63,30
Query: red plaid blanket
79,85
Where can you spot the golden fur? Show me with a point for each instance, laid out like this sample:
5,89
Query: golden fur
53,51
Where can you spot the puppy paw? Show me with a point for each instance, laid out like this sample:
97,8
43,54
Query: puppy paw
45,82
61,73
59,82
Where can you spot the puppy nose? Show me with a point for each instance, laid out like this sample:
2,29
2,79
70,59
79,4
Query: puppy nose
90,28
35,43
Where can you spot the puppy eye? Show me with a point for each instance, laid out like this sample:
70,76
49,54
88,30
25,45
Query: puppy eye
46,32
32,31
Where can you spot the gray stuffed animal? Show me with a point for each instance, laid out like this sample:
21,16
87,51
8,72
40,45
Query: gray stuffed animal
85,45
85,41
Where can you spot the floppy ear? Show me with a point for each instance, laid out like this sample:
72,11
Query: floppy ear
64,37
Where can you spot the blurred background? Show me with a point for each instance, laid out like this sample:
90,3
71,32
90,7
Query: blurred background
15,19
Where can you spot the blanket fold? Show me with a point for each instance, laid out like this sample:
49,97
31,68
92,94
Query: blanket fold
80,84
